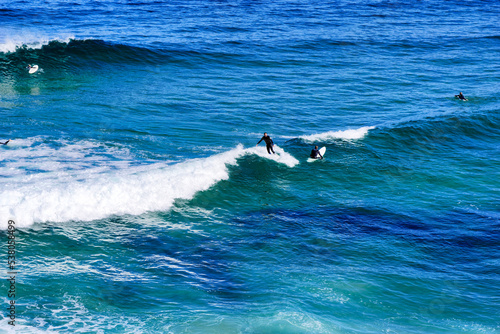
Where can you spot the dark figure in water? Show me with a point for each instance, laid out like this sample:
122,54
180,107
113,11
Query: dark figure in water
461,96
5,142
315,153
269,143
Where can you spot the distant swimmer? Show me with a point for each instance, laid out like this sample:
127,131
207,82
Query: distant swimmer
461,97
269,143
315,153
5,142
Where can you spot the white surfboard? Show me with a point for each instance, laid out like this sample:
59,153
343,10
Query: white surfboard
33,69
322,151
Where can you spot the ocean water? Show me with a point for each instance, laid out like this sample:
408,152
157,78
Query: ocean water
142,204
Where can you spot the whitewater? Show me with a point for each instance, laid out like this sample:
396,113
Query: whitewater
72,184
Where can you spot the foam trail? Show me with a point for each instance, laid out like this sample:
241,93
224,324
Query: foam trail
333,135
91,191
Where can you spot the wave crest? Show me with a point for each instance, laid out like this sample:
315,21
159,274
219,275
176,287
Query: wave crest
14,43
350,134
60,194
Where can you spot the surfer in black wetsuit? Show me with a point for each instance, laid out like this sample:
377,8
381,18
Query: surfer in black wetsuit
269,143
461,96
5,142
315,153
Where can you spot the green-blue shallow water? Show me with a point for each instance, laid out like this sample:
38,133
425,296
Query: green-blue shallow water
143,206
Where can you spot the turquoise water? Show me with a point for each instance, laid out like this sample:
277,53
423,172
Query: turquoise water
143,205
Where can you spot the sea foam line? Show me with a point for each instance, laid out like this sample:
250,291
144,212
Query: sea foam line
350,134
60,196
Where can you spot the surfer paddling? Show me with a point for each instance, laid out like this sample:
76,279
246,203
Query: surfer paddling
269,143
5,142
315,153
461,97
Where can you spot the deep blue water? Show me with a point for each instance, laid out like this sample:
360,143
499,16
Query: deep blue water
143,206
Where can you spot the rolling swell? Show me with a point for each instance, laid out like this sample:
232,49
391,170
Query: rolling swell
442,128
95,53
448,130
76,54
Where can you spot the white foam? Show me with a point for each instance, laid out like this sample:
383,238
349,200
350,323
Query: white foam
281,156
33,154
30,40
350,134
78,182
70,315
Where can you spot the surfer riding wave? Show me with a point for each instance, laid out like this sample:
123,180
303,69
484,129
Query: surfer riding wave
269,143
